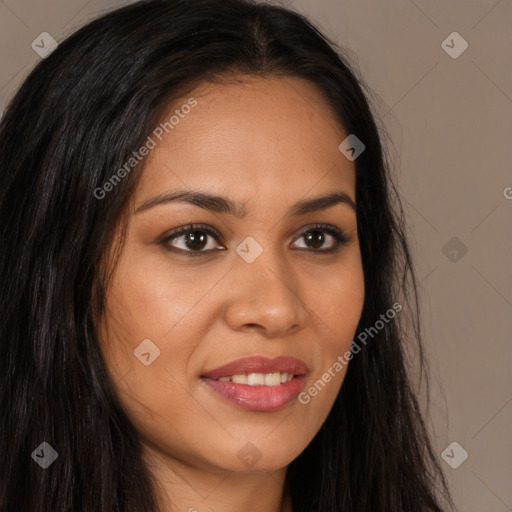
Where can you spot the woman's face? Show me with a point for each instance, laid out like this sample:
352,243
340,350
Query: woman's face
256,286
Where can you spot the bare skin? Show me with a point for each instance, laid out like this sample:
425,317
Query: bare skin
266,143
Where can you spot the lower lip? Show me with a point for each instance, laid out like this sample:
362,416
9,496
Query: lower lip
258,398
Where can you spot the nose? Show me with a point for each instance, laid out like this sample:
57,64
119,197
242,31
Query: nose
265,296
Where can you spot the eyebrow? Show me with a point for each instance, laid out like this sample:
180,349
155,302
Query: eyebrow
221,204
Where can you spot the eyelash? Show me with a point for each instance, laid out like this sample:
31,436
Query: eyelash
338,235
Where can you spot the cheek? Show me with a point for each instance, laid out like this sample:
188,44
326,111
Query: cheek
338,302
144,309
337,308
151,299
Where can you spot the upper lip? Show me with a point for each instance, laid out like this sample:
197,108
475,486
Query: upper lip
259,364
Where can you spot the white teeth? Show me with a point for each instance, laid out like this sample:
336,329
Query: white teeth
256,379
239,379
259,379
272,379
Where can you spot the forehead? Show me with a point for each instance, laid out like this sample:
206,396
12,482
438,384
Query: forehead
251,137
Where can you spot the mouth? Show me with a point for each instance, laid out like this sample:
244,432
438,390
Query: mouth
259,379
258,383
258,367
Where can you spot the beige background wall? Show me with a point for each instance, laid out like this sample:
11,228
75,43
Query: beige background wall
450,120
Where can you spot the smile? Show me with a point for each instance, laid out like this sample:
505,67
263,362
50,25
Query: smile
258,383
259,379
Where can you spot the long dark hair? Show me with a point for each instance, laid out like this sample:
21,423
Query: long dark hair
76,119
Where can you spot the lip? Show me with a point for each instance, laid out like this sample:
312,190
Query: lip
258,398
259,364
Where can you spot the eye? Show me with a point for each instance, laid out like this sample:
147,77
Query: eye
193,240
315,237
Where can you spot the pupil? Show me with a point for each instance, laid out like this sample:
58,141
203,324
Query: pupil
196,240
316,241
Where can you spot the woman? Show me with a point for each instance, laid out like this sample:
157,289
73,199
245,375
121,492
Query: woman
204,276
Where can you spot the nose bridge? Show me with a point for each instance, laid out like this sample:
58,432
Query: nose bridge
264,292
264,270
